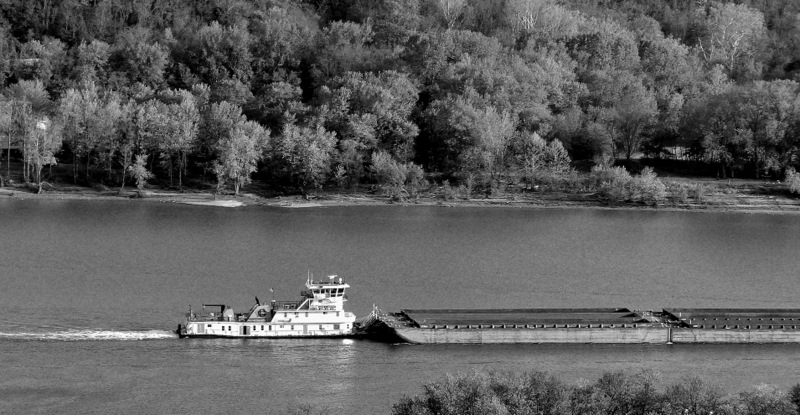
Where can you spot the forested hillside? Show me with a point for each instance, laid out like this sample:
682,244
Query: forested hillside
303,94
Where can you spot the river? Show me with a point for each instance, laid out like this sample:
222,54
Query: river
91,290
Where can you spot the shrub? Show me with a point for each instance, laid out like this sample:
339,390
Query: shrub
139,171
447,191
340,175
651,189
415,178
617,185
793,180
387,171
469,185
698,192
613,183
682,193
398,177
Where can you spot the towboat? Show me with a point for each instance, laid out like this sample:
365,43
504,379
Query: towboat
318,313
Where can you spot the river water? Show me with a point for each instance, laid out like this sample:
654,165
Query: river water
91,289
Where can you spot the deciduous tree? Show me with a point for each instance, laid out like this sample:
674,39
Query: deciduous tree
239,152
451,11
41,142
733,37
180,132
305,153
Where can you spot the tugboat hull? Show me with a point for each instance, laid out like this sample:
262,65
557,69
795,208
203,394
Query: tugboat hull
249,330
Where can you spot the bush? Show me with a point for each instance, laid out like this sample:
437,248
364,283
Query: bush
398,177
139,171
650,189
415,178
617,185
448,193
682,193
698,192
387,171
793,180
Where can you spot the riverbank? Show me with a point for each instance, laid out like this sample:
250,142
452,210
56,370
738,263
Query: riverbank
733,195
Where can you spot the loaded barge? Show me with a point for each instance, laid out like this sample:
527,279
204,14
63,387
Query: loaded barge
590,325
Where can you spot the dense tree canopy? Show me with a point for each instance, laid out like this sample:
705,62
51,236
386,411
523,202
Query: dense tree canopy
305,93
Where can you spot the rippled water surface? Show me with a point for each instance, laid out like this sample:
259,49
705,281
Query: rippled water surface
91,291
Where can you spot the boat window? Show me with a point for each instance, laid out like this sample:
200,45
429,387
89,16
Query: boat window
262,328
291,327
285,315
223,328
281,326
337,314
297,314
209,325
336,327
229,328
320,327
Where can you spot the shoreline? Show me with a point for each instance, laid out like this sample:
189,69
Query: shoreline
717,201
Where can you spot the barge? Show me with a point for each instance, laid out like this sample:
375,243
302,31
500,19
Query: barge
318,313
600,326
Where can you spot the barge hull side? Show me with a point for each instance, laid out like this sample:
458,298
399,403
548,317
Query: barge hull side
655,335
553,335
680,335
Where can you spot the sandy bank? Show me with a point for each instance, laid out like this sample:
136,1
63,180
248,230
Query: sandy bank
730,196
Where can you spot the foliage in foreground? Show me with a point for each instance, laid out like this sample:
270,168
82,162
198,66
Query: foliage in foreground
537,392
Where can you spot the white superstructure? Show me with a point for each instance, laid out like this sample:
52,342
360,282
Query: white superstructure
319,313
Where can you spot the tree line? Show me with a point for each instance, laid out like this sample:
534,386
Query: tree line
534,392
306,93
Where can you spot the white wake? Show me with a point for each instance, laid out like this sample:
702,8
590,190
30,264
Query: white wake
79,335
